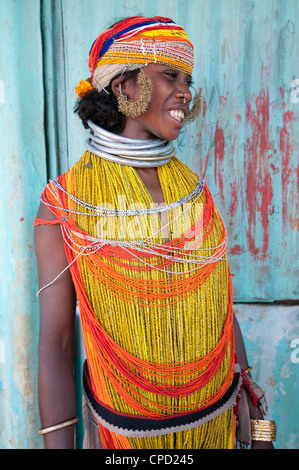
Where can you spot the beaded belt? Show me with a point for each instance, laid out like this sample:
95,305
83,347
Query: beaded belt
140,426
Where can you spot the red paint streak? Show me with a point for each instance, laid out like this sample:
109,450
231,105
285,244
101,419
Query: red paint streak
274,168
286,170
204,105
236,132
219,157
237,250
259,191
266,210
204,108
233,201
281,91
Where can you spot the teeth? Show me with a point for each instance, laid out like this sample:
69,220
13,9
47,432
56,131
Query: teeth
178,115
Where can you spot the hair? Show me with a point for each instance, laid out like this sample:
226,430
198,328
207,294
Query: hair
102,107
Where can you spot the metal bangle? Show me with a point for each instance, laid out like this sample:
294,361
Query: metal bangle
55,427
263,430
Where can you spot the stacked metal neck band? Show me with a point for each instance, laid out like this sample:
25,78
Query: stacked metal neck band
133,152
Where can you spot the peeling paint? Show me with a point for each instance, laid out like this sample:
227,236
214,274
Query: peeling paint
219,149
259,192
255,179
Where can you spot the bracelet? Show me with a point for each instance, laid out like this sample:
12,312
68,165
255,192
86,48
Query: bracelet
248,370
263,430
58,426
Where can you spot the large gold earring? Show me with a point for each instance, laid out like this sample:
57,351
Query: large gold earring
136,108
195,110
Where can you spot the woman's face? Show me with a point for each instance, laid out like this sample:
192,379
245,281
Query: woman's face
164,117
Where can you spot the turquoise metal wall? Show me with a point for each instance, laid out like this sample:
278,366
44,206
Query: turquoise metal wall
23,170
245,145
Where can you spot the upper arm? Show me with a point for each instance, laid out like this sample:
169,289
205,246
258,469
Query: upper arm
57,301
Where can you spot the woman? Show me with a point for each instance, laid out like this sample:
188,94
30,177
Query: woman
146,252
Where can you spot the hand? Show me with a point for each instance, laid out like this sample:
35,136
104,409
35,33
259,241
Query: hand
262,445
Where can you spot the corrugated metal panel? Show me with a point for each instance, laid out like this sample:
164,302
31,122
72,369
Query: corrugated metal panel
245,146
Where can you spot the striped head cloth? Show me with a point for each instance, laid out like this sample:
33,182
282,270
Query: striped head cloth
138,41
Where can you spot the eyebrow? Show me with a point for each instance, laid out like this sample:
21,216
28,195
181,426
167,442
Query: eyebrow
168,67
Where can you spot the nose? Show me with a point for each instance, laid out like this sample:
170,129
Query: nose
184,94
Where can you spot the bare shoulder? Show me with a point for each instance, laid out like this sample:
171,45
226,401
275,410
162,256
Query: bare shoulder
48,238
45,213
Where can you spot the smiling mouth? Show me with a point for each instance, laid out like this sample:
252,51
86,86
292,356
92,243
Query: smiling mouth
178,115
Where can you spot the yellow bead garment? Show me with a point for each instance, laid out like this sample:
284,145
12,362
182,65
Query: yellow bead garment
156,331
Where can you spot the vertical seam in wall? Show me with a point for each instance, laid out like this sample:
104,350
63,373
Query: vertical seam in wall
65,100
46,137
54,74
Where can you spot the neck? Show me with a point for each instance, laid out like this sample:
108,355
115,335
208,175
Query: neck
133,130
144,173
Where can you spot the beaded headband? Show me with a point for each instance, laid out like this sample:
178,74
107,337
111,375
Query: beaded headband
135,42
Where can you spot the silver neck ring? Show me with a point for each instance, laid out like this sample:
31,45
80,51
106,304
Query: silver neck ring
126,151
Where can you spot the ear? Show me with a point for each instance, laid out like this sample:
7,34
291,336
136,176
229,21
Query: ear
128,87
115,85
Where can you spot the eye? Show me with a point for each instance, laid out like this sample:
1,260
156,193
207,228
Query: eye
170,73
189,82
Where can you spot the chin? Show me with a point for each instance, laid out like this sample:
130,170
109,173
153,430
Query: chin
173,135
167,134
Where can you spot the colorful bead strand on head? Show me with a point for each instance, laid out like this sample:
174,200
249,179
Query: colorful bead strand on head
141,41
133,43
